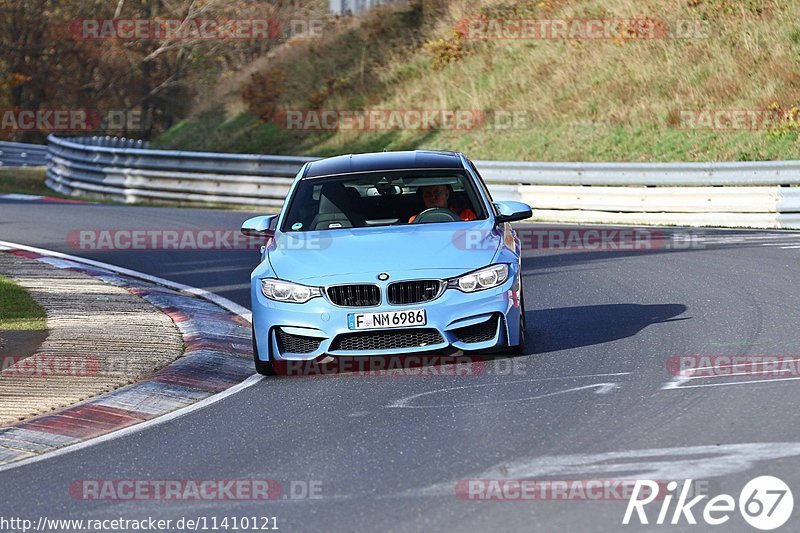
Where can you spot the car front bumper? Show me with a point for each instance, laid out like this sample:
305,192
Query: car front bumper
481,320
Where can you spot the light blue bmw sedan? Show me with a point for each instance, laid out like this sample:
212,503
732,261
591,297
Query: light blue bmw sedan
387,254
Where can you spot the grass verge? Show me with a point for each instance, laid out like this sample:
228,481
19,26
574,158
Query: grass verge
25,181
18,311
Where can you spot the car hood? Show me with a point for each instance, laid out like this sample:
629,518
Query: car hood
365,252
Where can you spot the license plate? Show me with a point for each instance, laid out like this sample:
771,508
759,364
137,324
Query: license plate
388,319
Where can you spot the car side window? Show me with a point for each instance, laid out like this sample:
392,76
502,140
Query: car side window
482,185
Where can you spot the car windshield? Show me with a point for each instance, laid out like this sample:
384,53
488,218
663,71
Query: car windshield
383,199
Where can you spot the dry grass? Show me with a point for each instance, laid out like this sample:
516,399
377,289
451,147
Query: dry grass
586,100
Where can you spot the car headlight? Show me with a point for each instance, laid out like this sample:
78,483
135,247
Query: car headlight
284,291
485,278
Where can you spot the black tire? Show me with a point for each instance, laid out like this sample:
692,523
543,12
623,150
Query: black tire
265,368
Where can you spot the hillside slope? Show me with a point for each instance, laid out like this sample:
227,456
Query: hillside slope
697,80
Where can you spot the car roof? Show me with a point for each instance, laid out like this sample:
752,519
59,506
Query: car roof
377,161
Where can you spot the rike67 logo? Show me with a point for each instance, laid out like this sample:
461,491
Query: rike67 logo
765,503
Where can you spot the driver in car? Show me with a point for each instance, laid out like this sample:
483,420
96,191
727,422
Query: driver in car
438,196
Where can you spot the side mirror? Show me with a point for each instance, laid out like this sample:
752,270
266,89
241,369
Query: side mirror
260,226
512,211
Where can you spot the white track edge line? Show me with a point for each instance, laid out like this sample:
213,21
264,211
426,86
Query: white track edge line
141,426
214,298
136,428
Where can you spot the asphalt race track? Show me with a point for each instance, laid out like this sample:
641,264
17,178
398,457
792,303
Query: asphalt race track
587,402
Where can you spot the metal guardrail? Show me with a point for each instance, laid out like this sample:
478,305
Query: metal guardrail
22,154
129,172
754,194
647,174
763,206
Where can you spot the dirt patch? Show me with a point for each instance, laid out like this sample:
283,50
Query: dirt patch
16,345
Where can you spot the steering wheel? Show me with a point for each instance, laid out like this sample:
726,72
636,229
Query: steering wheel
436,214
